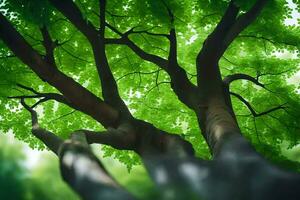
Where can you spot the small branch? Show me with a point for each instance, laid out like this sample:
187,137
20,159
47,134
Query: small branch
259,74
149,33
27,88
52,141
230,78
170,13
74,56
267,39
124,40
114,15
138,72
49,45
44,96
62,116
253,112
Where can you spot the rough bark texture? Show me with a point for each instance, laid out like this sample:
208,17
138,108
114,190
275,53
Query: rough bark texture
236,170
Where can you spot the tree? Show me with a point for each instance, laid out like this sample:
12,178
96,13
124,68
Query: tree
180,85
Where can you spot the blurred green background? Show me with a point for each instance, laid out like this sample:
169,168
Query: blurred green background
27,174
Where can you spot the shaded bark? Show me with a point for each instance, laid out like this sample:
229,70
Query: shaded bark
216,117
85,174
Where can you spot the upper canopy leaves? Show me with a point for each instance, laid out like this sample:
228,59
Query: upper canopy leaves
268,49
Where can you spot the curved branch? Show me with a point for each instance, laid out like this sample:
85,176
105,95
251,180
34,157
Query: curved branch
124,40
49,45
267,39
211,51
150,33
52,141
139,73
253,112
180,83
96,38
230,78
243,21
72,12
218,41
77,95
44,96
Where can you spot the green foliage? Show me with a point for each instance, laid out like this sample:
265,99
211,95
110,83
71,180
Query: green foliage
45,182
11,171
268,48
34,11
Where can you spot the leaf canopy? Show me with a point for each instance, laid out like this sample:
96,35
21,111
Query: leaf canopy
268,49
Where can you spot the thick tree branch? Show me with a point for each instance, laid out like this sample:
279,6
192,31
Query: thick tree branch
52,141
72,12
77,95
230,78
173,40
253,112
212,44
96,38
180,83
208,72
225,32
173,48
109,86
112,137
81,169
243,21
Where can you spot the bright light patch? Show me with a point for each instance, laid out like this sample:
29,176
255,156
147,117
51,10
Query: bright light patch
295,15
161,176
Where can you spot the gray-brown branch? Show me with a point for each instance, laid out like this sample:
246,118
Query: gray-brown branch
42,96
77,95
218,41
180,83
230,78
96,38
82,170
52,141
251,109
